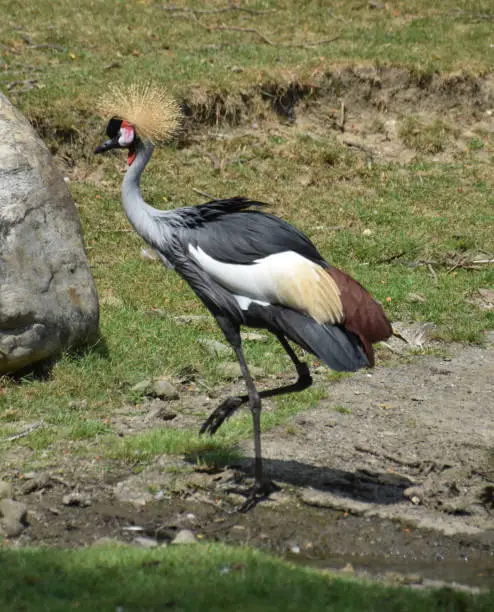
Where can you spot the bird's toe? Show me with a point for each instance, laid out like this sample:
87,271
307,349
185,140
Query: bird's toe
222,412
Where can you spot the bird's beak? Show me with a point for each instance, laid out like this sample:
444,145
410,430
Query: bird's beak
106,146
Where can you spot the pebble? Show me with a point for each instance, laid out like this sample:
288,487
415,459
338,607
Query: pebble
188,319
5,490
13,510
160,388
214,347
161,411
10,527
254,337
143,542
76,499
34,484
143,386
231,370
164,390
185,536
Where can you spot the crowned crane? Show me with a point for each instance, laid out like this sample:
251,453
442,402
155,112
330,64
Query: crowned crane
247,267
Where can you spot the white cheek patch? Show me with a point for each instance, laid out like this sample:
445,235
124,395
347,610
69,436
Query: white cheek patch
126,136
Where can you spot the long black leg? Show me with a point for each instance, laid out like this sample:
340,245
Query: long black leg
231,404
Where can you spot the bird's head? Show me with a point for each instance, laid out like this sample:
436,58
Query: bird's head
121,135
136,113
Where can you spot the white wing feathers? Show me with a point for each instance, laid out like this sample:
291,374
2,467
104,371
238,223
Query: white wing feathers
285,278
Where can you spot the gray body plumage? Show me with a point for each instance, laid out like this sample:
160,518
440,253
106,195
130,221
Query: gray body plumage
236,232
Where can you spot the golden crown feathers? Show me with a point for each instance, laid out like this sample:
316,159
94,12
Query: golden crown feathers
154,113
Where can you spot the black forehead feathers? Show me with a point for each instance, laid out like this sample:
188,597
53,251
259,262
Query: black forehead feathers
113,127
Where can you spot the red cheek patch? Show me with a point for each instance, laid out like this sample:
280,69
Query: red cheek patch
130,158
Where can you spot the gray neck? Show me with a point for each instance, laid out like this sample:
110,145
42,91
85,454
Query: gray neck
141,215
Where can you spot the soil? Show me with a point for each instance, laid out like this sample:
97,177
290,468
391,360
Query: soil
391,476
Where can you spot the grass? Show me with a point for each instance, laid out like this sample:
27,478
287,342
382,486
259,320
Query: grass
200,577
390,217
386,223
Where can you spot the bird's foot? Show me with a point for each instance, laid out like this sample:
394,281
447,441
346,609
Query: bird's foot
223,412
258,493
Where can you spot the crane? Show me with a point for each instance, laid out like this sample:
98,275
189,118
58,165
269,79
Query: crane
248,267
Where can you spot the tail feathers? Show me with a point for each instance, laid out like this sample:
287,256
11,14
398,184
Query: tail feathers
337,347
363,315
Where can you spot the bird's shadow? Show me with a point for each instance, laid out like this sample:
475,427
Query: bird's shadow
360,485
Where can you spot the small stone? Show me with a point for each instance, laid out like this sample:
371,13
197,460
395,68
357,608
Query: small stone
414,494
188,319
105,541
162,412
76,499
214,347
125,492
348,569
143,542
13,510
231,370
254,337
10,527
38,482
5,490
142,387
185,536
367,232
164,390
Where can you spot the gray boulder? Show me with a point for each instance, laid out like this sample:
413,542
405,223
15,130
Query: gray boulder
48,300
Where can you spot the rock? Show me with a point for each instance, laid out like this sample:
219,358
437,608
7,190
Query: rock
253,337
10,527
185,536
231,370
143,386
5,489
214,347
156,388
12,510
323,499
160,410
143,542
76,499
48,300
126,492
164,390
34,484
188,319
107,541
414,494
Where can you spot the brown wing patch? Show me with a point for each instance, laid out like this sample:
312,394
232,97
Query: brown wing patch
362,314
311,290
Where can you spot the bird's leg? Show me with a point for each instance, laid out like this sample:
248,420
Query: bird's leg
261,487
231,404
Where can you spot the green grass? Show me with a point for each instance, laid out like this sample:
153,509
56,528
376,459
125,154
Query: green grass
200,577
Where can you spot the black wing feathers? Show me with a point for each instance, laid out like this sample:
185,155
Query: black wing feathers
231,232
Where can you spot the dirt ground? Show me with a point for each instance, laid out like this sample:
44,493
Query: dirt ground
391,476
